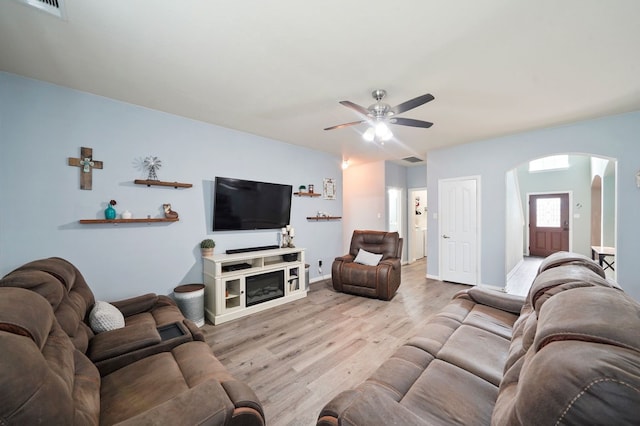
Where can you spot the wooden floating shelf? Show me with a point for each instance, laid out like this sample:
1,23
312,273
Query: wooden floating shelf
306,194
161,183
116,221
318,218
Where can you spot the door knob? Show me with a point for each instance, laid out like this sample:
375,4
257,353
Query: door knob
445,236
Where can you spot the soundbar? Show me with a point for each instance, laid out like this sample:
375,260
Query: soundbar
248,249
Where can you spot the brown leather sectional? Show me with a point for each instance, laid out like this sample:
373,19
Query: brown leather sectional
568,353
157,369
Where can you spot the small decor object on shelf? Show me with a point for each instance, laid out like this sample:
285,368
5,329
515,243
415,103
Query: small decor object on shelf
291,235
329,189
168,213
110,212
206,246
87,164
311,188
302,188
287,236
126,215
152,164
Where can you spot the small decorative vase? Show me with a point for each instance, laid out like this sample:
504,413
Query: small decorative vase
110,213
126,214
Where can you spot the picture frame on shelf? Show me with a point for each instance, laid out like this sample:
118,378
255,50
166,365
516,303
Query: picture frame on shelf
329,189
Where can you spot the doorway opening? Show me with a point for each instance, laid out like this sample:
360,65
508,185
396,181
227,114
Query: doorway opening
417,226
586,217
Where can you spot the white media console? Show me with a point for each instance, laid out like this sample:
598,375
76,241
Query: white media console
240,284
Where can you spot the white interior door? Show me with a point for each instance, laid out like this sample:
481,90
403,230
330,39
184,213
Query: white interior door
459,230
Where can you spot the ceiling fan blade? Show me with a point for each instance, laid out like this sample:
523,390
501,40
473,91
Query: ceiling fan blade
362,110
340,126
412,103
410,122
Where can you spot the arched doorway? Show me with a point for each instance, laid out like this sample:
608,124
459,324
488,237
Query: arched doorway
590,184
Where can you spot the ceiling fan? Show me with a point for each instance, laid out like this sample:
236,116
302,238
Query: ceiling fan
380,114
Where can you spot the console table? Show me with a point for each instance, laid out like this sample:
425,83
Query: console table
600,253
240,284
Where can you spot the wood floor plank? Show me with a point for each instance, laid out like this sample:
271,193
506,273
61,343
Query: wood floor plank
298,356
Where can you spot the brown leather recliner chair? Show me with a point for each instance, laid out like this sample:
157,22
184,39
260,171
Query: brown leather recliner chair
380,281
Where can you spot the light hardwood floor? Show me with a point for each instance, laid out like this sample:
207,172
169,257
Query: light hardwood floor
520,282
298,356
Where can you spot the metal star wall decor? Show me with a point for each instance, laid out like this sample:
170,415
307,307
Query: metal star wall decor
152,164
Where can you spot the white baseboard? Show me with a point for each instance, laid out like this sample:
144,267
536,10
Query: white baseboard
515,268
493,287
320,278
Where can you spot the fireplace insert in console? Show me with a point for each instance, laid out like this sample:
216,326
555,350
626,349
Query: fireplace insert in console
264,287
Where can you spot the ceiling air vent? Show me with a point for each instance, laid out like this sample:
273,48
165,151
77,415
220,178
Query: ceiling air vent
413,160
53,7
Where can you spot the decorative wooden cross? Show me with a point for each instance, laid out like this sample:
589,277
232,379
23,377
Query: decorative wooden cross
87,163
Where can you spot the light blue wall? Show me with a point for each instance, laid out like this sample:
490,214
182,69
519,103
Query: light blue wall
41,125
417,176
396,177
615,137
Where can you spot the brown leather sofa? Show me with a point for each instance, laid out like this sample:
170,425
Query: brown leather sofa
157,369
380,281
568,353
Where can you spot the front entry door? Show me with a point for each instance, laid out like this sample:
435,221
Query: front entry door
459,230
548,224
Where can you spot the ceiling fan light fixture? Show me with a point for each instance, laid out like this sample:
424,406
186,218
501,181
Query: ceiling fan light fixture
369,134
383,132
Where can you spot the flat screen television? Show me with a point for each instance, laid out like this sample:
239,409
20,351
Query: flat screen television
244,205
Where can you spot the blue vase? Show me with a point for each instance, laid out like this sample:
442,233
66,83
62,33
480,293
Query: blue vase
110,213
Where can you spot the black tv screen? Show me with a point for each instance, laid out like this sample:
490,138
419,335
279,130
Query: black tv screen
244,204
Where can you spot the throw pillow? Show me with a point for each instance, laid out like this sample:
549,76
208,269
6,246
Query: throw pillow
105,317
367,258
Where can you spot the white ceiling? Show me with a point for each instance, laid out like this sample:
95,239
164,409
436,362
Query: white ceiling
278,68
